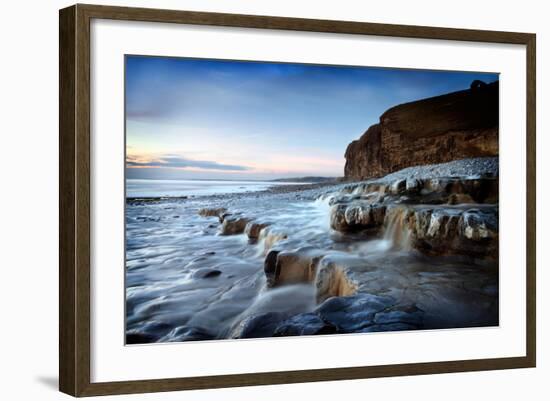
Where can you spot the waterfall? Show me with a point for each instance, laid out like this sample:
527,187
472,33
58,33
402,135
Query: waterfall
267,239
396,228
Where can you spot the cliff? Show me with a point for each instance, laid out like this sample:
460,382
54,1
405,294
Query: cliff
435,130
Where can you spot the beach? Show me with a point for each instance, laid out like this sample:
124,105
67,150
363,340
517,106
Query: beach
275,259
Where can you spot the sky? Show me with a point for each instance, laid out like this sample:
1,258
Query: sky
240,120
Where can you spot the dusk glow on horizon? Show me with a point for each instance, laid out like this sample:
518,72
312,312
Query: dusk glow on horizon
215,119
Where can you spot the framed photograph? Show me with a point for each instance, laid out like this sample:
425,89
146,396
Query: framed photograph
249,200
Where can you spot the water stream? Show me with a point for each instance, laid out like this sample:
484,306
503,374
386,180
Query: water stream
183,276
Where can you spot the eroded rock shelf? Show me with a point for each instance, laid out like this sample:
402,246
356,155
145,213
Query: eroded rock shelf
452,219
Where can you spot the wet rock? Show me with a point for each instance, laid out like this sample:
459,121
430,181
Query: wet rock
212,212
338,218
413,185
403,314
291,267
270,267
257,326
233,225
476,225
206,273
457,199
378,214
253,229
304,324
353,313
376,328
471,232
398,187
357,216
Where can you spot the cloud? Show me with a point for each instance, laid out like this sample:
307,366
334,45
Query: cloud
173,161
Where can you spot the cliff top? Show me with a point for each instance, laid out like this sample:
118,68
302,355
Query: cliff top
474,108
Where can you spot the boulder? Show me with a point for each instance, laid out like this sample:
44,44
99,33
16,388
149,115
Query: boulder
257,326
206,273
253,230
233,225
353,313
304,324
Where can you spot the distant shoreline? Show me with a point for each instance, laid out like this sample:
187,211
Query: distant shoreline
297,180
275,189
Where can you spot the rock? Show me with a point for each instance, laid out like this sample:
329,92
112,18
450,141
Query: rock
403,314
476,225
353,313
444,231
270,267
457,125
413,185
206,273
338,218
376,328
378,213
257,326
212,212
398,186
233,225
253,229
357,216
304,324
291,267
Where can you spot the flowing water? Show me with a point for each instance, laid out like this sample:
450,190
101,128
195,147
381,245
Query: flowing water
181,274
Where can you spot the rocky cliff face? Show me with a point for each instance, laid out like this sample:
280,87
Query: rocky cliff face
436,130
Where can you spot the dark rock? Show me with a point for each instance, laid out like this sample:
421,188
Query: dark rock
257,326
376,328
398,187
404,314
353,313
270,267
304,324
206,273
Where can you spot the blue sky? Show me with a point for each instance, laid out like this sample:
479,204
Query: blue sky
214,119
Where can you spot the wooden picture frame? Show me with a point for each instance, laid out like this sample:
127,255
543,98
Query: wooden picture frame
74,199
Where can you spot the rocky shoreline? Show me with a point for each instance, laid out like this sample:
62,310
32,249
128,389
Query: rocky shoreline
448,211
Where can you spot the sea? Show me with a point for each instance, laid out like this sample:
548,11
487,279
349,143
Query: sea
140,188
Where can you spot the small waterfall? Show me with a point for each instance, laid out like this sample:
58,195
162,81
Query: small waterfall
267,239
396,228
